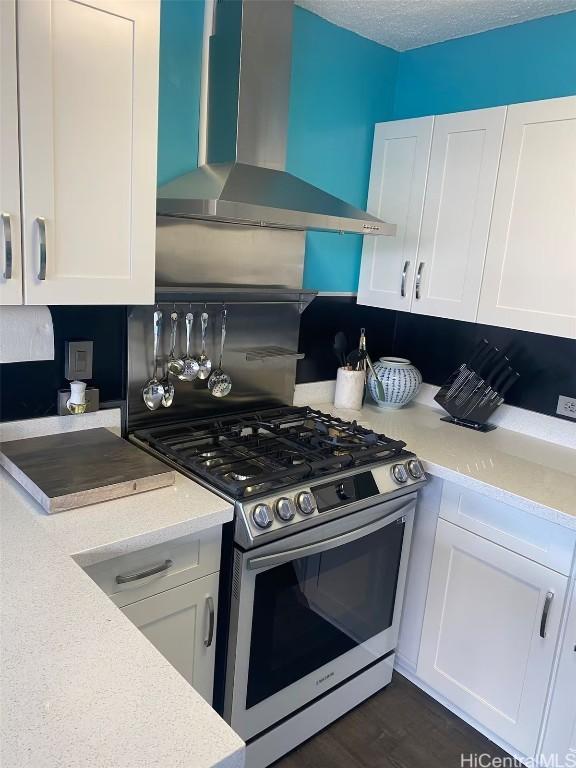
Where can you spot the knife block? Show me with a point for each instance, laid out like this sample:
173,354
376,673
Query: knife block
457,412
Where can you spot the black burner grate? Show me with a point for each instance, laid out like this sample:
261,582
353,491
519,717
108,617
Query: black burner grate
248,454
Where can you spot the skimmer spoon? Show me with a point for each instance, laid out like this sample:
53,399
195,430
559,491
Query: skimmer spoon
219,382
191,368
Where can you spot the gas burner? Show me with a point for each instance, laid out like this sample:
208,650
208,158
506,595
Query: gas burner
295,459
214,461
244,472
209,454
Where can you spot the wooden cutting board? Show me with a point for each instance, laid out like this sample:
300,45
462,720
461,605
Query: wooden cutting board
72,470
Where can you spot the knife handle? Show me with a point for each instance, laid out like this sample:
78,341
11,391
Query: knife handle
501,378
482,349
510,382
496,372
484,367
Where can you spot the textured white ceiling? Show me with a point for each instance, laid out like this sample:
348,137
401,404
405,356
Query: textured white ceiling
405,24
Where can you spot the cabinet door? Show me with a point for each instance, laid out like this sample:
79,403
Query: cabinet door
10,261
530,275
88,113
481,645
560,735
457,209
397,184
181,624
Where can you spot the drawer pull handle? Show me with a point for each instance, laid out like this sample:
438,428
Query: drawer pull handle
125,578
7,225
545,612
210,634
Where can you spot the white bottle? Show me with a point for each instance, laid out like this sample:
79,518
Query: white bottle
77,400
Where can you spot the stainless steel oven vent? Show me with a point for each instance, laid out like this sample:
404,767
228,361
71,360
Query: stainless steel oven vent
244,180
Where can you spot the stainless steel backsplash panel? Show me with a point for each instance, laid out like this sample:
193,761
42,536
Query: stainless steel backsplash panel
251,328
191,252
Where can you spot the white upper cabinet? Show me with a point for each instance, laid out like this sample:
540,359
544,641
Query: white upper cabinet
88,119
560,734
10,260
457,209
530,275
397,184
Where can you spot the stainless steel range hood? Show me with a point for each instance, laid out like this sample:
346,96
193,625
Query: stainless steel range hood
244,180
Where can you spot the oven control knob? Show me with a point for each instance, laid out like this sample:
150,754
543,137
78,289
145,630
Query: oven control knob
285,509
306,502
415,469
399,473
262,516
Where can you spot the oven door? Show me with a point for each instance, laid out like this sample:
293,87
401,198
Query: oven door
312,610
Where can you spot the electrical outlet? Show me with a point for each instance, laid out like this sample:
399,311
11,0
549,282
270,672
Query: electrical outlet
566,406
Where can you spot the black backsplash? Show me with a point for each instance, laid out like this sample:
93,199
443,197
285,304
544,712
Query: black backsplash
547,364
29,390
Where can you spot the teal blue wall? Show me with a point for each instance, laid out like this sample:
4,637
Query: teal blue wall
524,62
341,85
181,26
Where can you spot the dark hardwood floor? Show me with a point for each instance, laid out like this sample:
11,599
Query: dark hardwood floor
400,727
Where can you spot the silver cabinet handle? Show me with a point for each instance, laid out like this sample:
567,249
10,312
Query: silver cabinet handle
419,279
125,578
403,283
7,227
42,237
210,634
545,612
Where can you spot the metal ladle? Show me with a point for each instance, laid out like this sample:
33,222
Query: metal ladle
219,382
191,368
175,365
153,391
204,362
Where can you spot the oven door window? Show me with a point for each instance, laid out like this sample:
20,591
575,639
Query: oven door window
309,611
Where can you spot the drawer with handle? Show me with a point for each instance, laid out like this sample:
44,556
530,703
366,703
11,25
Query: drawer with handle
534,537
152,570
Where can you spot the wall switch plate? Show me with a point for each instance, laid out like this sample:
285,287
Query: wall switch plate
566,406
78,360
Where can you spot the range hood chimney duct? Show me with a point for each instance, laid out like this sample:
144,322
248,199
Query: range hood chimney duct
244,180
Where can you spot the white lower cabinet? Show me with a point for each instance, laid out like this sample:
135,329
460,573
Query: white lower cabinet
560,733
489,635
181,624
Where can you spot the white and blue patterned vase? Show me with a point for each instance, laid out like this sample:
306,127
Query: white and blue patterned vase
400,382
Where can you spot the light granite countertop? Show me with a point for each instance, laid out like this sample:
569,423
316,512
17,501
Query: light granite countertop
81,686
532,474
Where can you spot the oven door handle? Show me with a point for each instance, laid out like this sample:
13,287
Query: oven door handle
266,561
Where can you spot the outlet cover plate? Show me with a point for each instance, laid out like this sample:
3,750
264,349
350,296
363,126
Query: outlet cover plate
566,407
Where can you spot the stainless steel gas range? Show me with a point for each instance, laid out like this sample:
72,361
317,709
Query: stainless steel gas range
323,521
313,566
